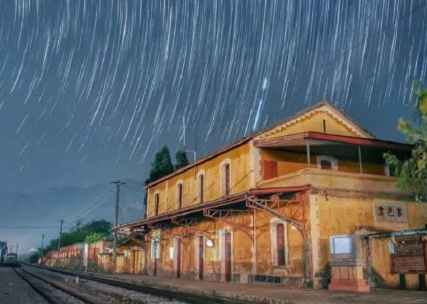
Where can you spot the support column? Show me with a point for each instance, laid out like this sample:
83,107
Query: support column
359,149
308,153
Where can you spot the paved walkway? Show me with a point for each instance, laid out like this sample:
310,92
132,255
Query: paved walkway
275,294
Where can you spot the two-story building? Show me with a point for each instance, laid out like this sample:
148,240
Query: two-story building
263,208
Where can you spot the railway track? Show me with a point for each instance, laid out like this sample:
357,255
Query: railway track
163,293
45,288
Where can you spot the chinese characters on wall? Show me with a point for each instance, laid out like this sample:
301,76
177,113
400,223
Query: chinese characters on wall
390,212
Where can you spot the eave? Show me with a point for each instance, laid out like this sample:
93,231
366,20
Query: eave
224,201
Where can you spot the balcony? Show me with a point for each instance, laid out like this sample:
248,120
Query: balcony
336,180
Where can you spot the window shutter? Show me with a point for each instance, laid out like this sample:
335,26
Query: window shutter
270,169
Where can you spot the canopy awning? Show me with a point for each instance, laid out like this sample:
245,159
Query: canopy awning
236,200
316,138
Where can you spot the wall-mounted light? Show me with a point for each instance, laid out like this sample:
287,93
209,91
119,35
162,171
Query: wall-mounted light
209,243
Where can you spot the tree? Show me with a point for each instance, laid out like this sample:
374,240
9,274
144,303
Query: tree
181,159
411,174
34,257
100,227
161,165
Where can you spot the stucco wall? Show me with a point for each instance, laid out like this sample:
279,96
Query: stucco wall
345,214
240,181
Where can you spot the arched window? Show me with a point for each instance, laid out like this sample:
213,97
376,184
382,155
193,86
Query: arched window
281,253
156,204
226,179
201,188
179,194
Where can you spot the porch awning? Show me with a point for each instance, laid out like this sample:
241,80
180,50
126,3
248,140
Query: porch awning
198,209
315,138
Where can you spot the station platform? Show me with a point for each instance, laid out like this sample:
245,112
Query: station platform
272,294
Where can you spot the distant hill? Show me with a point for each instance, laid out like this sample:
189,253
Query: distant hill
47,208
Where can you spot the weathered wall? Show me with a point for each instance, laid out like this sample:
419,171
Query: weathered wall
290,162
344,215
245,261
240,181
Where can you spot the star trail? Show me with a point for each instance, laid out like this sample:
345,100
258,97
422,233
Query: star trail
90,89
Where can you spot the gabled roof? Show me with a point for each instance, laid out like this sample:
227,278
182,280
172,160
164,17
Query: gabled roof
324,103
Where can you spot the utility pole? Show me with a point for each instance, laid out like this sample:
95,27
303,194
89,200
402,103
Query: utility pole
59,241
116,221
17,249
42,241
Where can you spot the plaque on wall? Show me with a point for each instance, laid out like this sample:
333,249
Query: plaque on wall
408,257
390,212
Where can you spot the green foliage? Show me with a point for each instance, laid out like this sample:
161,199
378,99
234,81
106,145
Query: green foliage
181,159
94,238
101,227
34,257
161,165
411,174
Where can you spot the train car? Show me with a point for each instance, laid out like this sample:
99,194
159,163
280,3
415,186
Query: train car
7,259
3,251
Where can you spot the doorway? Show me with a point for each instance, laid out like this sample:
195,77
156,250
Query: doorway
178,257
201,257
227,256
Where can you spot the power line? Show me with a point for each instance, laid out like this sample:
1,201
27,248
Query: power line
139,190
30,227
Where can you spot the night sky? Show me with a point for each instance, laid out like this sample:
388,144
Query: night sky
90,89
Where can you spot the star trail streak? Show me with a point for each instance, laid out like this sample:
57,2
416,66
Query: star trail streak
90,89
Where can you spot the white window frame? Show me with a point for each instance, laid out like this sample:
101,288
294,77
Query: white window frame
222,175
201,172
180,182
331,159
273,237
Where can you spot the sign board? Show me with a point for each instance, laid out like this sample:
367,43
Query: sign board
408,257
390,212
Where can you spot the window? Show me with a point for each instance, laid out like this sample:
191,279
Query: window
226,179
280,234
201,187
325,162
180,196
156,204
325,165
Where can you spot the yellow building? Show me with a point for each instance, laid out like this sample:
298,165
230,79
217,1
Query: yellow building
263,208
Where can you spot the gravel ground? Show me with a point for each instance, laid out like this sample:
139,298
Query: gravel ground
108,289
14,290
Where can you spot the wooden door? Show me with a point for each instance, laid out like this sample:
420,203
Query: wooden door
178,258
281,254
201,257
227,255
